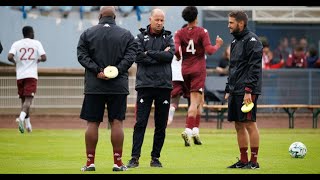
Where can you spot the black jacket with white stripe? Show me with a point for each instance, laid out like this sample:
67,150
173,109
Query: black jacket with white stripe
245,70
153,63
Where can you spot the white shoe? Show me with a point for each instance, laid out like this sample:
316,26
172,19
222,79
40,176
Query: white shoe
92,167
28,125
186,138
20,125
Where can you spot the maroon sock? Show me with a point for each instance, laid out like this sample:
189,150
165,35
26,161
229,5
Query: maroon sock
197,122
90,157
254,154
117,158
190,122
244,154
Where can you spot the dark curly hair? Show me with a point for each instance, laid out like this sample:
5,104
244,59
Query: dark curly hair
190,13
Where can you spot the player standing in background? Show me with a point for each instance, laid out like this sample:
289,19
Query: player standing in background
105,44
26,54
194,42
244,86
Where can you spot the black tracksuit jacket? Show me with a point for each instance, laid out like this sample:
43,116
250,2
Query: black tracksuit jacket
103,45
245,70
154,68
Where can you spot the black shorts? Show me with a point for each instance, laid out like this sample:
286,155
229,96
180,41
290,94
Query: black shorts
234,109
93,107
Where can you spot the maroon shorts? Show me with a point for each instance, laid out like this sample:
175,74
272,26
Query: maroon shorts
179,89
195,81
27,87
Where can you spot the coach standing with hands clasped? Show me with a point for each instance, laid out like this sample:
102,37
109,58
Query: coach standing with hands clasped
102,45
153,84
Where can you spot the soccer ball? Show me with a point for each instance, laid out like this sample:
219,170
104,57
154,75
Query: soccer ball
297,150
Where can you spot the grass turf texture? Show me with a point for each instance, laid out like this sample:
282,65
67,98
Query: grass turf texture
63,152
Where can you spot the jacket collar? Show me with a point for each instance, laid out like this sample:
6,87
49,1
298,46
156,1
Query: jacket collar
148,31
107,19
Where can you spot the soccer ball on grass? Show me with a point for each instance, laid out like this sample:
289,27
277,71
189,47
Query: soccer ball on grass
297,150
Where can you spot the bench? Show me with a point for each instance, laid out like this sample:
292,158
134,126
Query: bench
290,109
315,109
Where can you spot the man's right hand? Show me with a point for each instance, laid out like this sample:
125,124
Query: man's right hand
101,75
219,41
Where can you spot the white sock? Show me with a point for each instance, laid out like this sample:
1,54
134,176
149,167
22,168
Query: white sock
22,115
171,114
27,120
188,131
195,131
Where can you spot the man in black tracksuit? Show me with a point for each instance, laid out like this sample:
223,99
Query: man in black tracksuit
102,45
153,85
244,87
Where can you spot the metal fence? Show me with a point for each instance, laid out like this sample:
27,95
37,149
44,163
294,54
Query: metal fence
52,92
281,86
291,86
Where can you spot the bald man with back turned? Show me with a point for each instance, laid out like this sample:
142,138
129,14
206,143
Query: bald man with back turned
102,45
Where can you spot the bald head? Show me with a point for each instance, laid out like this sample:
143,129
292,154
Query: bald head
157,11
156,19
107,11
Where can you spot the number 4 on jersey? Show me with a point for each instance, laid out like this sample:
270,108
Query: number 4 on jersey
190,47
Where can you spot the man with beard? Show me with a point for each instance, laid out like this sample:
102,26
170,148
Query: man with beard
244,87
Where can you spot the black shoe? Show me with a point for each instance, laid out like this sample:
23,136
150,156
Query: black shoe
238,164
155,162
251,165
133,163
196,139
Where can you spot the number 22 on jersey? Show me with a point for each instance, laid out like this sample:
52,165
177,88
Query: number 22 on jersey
26,54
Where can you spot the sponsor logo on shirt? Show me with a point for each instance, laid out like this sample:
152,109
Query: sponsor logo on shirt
253,39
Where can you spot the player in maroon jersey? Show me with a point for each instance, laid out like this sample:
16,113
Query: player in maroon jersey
194,42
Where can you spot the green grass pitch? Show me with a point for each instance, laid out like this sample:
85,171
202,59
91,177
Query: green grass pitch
63,152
